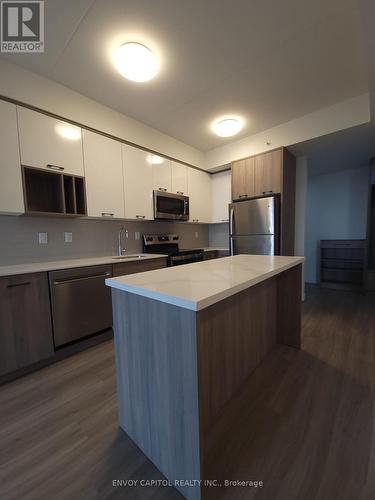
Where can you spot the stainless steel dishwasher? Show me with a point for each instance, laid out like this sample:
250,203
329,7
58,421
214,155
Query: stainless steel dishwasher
81,303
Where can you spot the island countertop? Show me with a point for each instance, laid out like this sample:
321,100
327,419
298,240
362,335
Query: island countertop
202,284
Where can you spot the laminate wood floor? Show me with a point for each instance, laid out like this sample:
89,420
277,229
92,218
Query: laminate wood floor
305,426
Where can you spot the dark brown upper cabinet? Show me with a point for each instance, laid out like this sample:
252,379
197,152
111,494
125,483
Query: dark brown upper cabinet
268,173
258,175
243,179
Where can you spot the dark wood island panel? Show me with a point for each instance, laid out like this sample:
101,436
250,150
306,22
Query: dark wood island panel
178,370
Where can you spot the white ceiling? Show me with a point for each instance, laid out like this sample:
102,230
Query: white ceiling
349,148
268,60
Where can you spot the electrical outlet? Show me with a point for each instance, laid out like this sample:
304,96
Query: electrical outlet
196,234
68,237
137,235
43,238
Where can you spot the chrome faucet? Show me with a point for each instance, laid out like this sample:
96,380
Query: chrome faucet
121,247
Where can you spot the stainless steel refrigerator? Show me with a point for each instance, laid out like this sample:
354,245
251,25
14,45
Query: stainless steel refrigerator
254,226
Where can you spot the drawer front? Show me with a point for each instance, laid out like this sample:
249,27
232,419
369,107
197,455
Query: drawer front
342,276
354,265
342,244
123,268
343,253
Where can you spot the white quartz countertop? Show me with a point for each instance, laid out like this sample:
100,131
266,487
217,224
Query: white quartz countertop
199,285
39,267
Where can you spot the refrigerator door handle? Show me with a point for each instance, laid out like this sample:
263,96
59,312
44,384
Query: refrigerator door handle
231,215
231,246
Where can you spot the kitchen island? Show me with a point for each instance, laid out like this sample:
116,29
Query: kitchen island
187,339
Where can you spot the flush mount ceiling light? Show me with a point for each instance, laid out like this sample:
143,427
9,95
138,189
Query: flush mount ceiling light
69,132
155,159
135,62
228,126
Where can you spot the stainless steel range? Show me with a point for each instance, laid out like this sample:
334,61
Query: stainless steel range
168,244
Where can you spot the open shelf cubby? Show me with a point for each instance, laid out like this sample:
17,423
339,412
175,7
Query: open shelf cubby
69,195
79,186
53,193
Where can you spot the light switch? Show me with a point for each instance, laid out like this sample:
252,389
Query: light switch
68,236
43,238
137,235
196,234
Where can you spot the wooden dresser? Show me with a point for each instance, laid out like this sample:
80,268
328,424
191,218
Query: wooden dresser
342,263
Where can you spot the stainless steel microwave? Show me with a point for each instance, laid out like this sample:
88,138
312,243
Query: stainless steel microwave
170,206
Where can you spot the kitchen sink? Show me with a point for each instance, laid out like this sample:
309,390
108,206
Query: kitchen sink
135,256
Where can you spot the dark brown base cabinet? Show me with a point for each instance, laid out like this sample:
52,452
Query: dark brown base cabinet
25,321
122,268
26,332
215,254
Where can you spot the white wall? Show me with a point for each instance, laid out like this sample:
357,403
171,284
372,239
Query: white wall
346,114
300,214
30,88
336,209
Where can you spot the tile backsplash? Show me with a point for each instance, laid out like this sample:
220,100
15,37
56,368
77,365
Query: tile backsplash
219,235
91,238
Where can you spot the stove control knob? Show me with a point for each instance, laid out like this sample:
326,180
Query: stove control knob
175,238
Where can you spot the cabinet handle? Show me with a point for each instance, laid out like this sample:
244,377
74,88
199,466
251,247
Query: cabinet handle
140,216
243,195
107,214
19,284
163,189
267,192
180,192
224,220
54,167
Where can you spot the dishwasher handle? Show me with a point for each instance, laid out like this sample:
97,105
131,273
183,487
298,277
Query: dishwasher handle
80,278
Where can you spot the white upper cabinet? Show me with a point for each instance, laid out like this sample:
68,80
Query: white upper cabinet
49,143
137,183
11,194
161,175
221,196
179,178
199,185
170,176
103,175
